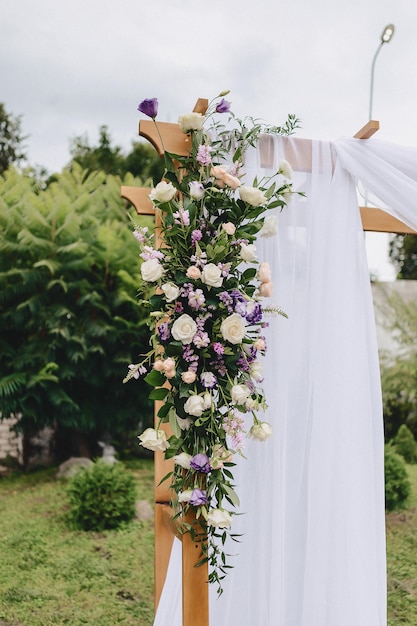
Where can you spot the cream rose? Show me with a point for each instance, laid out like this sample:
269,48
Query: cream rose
184,328
194,406
185,496
171,291
212,275
264,273
285,169
248,252
265,290
252,195
270,226
255,371
191,121
188,377
193,272
163,192
219,518
239,394
231,181
184,422
229,228
183,460
197,190
152,439
260,431
151,270
233,328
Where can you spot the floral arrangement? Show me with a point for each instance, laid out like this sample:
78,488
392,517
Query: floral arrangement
206,313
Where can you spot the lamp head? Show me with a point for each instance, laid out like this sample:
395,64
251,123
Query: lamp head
387,33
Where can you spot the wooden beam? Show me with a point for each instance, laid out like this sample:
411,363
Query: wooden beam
376,220
368,130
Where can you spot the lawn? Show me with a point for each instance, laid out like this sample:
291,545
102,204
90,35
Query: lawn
51,575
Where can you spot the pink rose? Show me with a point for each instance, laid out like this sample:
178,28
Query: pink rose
169,367
231,181
159,365
188,377
265,289
264,272
193,272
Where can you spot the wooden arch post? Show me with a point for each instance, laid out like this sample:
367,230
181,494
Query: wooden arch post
195,580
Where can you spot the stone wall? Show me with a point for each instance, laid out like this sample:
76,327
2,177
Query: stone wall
11,444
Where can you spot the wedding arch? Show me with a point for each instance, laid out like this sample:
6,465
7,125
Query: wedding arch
314,233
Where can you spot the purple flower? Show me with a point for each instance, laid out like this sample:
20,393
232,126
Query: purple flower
196,235
149,107
208,380
223,106
196,299
218,348
203,154
201,463
254,312
198,497
164,331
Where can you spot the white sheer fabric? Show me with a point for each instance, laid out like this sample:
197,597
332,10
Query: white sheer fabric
312,496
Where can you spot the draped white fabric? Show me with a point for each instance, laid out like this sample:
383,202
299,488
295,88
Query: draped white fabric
312,496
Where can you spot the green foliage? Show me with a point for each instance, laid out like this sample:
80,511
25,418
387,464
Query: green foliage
405,444
403,254
397,483
102,496
11,139
141,161
69,318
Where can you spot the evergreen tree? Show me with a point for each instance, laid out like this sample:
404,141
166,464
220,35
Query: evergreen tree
403,254
11,139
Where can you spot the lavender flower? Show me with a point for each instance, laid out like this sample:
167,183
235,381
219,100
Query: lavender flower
223,106
201,340
149,107
201,463
164,331
196,235
218,348
198,497
203,154
196,299
254,312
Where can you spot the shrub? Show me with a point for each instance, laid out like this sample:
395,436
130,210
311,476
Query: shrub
405,444
397,484
102,497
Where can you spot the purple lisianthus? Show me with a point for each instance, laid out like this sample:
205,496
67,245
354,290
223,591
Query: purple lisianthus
223,106
198,497
208,380
201,463
149,107
254,312
164,331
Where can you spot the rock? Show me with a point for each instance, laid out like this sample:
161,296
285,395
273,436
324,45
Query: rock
68,468
144,510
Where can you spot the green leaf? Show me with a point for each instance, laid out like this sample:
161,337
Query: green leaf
159,394
173,423
155,378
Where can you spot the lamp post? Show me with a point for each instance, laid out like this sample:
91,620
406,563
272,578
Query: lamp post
386,37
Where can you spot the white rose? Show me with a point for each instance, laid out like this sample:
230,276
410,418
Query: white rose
184,422
212,275
152,439
239,394
171,291
219,518
163,192
183,460
191,121
151,270
260,431
285,169
207,400
184,328
194,406
256,371
233,328
252,195
185,496
229,228
270,226
248,252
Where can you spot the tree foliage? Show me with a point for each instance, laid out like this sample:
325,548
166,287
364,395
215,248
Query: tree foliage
11,139
403,254
69,319
141,161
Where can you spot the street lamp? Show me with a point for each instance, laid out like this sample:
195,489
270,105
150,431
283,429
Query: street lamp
386,37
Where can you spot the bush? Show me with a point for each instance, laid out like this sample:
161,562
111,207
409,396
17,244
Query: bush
405,444
397,484
102,497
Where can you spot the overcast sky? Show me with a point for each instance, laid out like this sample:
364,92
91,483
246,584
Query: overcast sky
68,67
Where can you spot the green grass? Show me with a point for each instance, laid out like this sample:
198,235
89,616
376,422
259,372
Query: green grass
51,575
402,560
